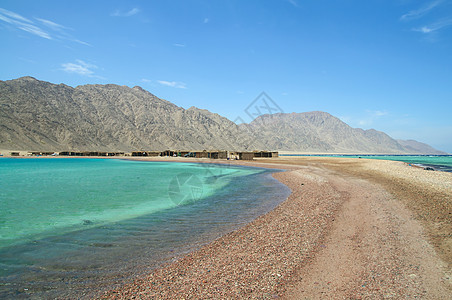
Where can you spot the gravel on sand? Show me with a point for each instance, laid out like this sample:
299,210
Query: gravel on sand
341,234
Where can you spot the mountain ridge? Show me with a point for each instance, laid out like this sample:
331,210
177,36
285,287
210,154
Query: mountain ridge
38,115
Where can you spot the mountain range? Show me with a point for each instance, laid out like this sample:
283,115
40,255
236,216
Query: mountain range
40,116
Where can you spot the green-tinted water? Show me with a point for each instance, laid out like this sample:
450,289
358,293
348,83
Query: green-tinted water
74,226
442,163
438,162
41,198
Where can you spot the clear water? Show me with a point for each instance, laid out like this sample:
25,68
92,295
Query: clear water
438,162
74,226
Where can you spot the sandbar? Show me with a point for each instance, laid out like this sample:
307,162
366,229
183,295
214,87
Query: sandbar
351,229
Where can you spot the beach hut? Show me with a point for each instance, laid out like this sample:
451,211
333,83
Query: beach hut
265,154
169,153
246,155
218,154
68,153
154,153
223,154
183,153
202,154
115,154
139,153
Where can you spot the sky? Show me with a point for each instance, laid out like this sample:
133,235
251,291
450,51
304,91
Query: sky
382,64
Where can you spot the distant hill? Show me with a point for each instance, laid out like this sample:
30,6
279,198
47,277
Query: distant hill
321,132
418,147
41,116
37,115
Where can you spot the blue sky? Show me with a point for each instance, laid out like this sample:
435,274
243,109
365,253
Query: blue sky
383,64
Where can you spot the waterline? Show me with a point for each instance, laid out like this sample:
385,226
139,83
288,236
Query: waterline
437,162
98,251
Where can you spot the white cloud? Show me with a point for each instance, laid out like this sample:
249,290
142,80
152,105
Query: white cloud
132,12
146,80
79,67
61,32
345,119
13,15
174,84
57,31
118,13
179,45
364,122
434,27
22,23
414,14
378,113
52,25
82,42
293,2
367,119
34,30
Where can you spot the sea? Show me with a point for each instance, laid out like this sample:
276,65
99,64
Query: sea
435,162
71,227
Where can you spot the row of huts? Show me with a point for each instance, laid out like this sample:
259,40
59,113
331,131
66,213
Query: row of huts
241,155
218,154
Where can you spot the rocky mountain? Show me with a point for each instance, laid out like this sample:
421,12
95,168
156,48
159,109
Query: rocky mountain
321,132
37,115
41,116
418,147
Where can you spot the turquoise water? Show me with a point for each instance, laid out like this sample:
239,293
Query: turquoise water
40,198
438,162
86,223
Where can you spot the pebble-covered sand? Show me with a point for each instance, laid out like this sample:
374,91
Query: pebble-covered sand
341,234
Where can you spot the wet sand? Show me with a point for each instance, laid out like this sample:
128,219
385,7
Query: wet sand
351,229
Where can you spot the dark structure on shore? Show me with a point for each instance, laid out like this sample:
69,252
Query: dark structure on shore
208,154
212,154
91,153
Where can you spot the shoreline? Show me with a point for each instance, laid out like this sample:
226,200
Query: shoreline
351,228
269,257
425,166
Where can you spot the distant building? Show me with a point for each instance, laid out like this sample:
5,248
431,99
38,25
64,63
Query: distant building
266,154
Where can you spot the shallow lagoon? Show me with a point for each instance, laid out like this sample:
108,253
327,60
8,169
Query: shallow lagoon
71,226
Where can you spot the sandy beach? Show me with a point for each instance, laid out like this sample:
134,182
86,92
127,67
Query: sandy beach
351,229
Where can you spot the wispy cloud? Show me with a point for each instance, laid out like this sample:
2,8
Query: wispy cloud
54,31
52,25
378,113
132,12
293,2
34,30
434,27
435,24
14,16
370,116
174,84
146,80
61,32
179,45
414,14
80,67
22,23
